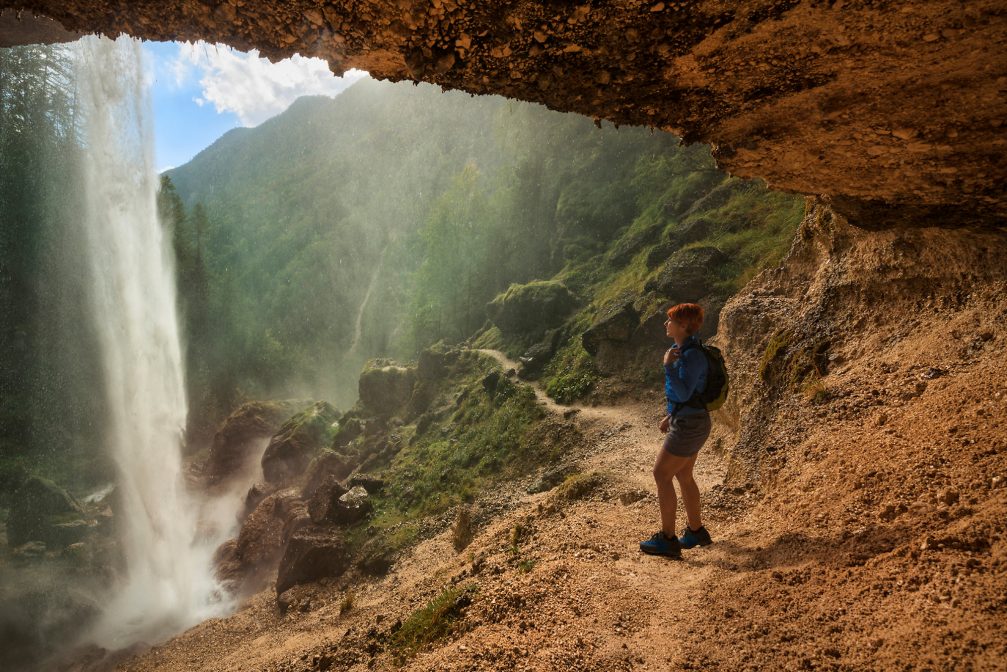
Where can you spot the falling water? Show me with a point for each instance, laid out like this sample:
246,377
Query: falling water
167,584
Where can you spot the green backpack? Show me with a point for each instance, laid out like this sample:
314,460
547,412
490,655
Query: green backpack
717,381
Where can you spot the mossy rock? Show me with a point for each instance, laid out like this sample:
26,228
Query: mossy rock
302,437
532,309
615,322
631,243
689,274
385,388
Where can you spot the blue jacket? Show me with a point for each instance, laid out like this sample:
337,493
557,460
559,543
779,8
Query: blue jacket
684,378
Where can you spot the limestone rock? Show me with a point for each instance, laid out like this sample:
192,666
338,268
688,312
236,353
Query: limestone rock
290,451
312,553
632,64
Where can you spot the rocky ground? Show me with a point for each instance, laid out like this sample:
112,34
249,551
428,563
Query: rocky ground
876,541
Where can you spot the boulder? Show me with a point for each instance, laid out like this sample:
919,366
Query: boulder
530,310
631,243
435,362
535,358
616,322
353,506
659,254
350,427
260,541
42,511
327,464
689,231
689,274
290,451
369,482
313,552
238,443
385,388
325,501
255,495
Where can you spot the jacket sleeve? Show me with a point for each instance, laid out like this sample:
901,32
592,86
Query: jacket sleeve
680,381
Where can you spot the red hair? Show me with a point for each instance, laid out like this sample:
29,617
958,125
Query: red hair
688,314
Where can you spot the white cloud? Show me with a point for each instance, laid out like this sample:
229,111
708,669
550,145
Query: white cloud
252,87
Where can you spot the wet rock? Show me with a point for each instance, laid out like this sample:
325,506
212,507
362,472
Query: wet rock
385,388
255,495
325,500
290,451
313,552
38,508
237,444
532,309
260,541
327,464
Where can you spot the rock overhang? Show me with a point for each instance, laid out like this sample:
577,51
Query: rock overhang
893,111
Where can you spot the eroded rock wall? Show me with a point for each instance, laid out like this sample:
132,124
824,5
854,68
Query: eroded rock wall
870,103
856,324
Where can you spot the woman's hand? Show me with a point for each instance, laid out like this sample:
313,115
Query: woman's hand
664,424
672,355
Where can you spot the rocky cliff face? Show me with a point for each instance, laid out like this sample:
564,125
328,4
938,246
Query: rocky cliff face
872,104
859,324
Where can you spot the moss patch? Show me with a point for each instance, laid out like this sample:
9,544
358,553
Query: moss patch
431,623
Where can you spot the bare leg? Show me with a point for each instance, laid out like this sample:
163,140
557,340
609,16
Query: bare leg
665,468
690,493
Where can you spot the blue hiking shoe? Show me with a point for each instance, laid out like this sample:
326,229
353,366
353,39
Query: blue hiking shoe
662,545
692,538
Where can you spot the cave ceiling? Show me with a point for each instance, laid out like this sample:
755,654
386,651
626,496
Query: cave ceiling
893,111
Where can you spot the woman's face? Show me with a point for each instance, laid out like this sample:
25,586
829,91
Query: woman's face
675,329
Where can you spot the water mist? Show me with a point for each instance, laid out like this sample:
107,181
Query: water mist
167,583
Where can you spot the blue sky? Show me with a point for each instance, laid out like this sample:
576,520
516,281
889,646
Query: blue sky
200,91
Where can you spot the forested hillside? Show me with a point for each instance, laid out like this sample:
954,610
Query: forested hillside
386,219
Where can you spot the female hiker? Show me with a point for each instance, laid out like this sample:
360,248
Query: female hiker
687,426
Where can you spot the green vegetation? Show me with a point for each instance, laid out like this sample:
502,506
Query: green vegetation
571,374
431,623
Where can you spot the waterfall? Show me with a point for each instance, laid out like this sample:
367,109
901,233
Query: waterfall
167,583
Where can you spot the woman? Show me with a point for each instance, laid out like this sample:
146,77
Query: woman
687,426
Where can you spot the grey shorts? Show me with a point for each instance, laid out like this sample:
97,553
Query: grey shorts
687,434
